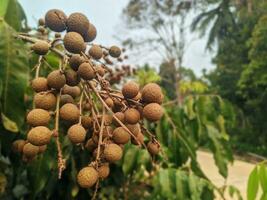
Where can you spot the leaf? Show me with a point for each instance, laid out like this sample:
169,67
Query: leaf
9,124
13,73
263,177
233,190
3,7
253,184
130,159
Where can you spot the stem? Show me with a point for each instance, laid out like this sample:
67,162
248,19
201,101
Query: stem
100,135
80,107
40,59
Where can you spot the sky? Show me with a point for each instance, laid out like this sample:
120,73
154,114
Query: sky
106,15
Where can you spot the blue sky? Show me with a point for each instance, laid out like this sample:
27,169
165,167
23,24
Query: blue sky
106,15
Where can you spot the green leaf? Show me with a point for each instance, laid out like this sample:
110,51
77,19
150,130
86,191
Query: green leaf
3,7
13,74
263,177
253,184
9,124
129,160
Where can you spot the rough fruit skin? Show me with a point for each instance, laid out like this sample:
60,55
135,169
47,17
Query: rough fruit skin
132,116
69,112
152,112
109,102
134,128
96,52
72,78
73,91
39,136
87,177
42,148
17,145
86,71
138,96
38,117
153,148
46,101
75,61
120,136
114,51
30,150
140,139
103,171
76,134
100,70
87,122
78,22
40,47
112,152
90,34
120,116
74,42
56,79
66,98
39,84
130,89
152,93
56,20
90,145
41,22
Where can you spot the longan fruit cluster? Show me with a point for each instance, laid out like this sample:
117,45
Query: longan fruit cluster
81,96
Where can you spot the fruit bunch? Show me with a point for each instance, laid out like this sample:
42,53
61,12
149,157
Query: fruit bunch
81,95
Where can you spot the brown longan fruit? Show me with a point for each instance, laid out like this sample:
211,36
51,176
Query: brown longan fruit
38,117
107,119
109,102
56,79
130,89
76,134
45,100
39,84
73,91
90,35
120,136
30,150
86,71
134,128
41,22
153,148
103,170
75,61
132,116
78,22
152,112
40,47
66,98
112,152
74,42
72,78
100,70
96,52
90,145
138,96
114,51
87,177
39,136
17,145
42,148
69,112
140,139
152,93
56,20
87,122
120,116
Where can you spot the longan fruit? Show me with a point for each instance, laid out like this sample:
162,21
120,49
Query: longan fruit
107,119
112,152
73,91
152,93
86,71
69,112
40,47
130,89
30,150
87,122
132,116
139,137
109,102
74,42
96,52
120,136
76,134
56,79
78,22
153,148
45,100
38,117
90,145
87,177
39,136
42,149
138,96
114,51
75,61
152,112
72,78
120,116
134,128
41,22
56,20
66,98
103,170
108,131
17,145
90,35
39,84
100,70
